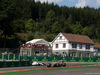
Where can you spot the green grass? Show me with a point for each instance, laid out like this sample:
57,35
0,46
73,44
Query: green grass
21,72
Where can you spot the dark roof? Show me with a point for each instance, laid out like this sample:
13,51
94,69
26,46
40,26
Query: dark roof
78,38
97,45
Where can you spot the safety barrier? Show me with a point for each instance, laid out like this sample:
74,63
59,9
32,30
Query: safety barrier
69,59
44,58
14,63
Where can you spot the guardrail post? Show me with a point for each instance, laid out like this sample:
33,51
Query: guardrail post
2,56
8,56
19,58
14,57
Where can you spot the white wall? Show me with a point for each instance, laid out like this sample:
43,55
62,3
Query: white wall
83,47
60,43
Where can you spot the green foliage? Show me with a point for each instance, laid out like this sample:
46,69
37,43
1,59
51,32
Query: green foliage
49,37
18,25
30,37
69,20
56,27
30,26
89,31
85,31
12,12
50,15
67,29
77,29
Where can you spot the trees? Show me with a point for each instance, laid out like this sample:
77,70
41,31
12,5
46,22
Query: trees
69,20
11,12
30,26
48,22
67,29
77,28
56,27
18,25
50,15
90,31
17,16
5,16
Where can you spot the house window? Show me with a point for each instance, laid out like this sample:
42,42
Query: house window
74,45
87,55
73,54
64,45
60,37
80,54
98,50
87,46
56,45
80,46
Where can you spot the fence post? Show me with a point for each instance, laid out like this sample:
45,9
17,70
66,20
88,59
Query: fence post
8,56
2,56
19,58
14,57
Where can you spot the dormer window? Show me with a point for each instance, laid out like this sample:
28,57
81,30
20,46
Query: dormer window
60,37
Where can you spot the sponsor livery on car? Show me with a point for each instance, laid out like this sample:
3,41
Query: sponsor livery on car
34,63
59,63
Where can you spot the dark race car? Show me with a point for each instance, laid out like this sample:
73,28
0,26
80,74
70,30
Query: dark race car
59,63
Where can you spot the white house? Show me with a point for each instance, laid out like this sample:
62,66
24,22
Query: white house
73,44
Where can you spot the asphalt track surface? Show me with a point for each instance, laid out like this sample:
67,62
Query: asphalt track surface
81,71
38,67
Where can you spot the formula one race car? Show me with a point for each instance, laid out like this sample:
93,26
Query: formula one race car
34,63
59,63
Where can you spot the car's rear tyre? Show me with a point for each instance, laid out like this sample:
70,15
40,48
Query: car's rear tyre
49,65
64,64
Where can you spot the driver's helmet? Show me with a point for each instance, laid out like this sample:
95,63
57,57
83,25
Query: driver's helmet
61,61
